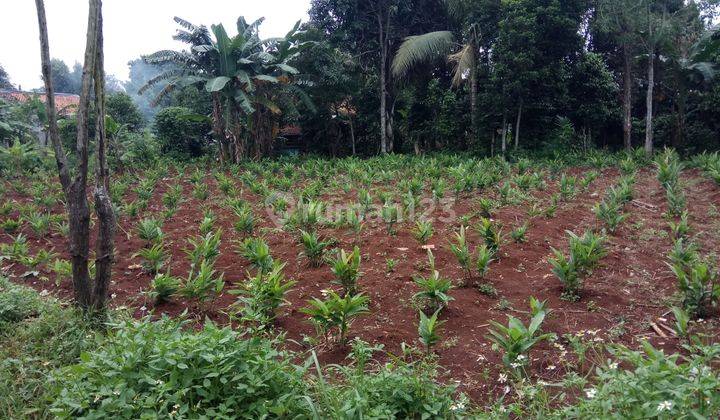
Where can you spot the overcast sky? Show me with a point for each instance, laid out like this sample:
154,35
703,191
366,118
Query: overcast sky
132,28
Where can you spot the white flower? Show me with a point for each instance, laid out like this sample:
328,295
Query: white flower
515,365
506,390
613,365
502,378
143,308
458,406
550,367
665,405
591,392
521,357
113,296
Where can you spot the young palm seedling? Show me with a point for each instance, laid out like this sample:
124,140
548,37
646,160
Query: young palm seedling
150,231
262,295
153,258
433,289
681,228
163,287
205,248
390,215
257,251
519,233
483,257
698,285
39,223
423,231
490,233
336,312
203,283
610,213
461,250
566,271
428,330
516,340
245,222
10,225
314,248
346,268
568,186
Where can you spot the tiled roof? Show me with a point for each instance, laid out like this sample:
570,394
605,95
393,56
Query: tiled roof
65,103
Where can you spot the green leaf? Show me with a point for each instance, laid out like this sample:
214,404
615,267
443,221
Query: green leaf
217,84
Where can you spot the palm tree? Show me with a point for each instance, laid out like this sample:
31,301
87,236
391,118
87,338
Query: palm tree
250,81
419,49
690,67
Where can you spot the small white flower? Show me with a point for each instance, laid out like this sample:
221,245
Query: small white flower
550,367
591,392
502,378
521,357
506,389
143,308
458,406
665,406
113,296
515,365
613,365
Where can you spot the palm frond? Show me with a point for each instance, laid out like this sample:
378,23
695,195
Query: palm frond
421,49
464,61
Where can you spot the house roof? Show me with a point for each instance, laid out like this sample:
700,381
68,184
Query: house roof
291,130
65,103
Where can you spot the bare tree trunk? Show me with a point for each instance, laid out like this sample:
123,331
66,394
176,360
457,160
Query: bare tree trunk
104,246
219,128
352,134
53,133
383,19
627,98
473,103
503,140
517,124
75,189
649,103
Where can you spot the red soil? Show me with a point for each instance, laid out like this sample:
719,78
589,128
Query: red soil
632,287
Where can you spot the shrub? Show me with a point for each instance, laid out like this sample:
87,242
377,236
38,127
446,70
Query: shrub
16,303
397,390
162,369
180,132
656,385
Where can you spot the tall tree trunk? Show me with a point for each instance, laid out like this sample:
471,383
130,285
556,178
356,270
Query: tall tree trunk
517,124
473,103
383,83
627,97
503,139
649,103
218,126
492,144
75,188
104,245
352,134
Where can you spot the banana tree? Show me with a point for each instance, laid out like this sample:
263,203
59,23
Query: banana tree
248,79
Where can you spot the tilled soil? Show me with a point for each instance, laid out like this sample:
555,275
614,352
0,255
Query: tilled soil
631,290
